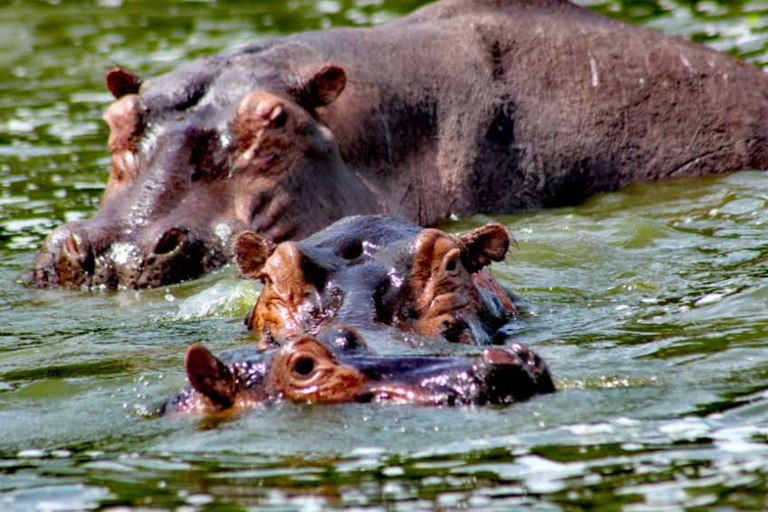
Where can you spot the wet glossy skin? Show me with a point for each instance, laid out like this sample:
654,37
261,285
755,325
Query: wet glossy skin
306,370
373,272
464,106
185,180
339,311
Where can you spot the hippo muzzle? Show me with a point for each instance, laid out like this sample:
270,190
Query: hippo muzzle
85,256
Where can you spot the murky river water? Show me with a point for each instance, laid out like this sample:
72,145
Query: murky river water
651,306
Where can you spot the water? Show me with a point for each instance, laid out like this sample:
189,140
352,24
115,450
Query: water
650,305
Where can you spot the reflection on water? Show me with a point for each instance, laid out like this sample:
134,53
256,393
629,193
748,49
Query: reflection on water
649,304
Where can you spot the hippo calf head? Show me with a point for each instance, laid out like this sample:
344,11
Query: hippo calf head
198,155
378,272
306,370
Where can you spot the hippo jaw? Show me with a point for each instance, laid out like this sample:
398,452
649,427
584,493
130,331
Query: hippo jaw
189,172
499,376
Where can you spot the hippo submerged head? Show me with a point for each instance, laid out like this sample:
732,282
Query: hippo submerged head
198,155
377,272
364,311
306,370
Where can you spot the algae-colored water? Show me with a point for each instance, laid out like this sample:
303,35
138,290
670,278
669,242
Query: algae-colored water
650,305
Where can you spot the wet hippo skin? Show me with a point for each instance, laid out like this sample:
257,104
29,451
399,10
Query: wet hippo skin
306,370
464,106
375,271
365,311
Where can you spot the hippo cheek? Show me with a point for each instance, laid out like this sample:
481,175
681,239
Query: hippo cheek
191,401
297,295
441,296
281,151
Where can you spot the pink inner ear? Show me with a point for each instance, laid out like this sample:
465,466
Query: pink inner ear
121,82
125,123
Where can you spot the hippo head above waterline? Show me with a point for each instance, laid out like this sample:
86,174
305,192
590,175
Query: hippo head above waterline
310,371
192,165
371,309
375,270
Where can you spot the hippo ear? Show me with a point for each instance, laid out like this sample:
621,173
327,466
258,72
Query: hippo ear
251,252
210,377
322,88
483,245
121,82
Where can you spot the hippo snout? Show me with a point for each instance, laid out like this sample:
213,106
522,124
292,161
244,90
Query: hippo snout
79,256
67,258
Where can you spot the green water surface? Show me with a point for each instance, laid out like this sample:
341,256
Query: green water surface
650,305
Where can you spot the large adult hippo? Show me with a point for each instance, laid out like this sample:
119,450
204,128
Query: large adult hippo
464,106
363,311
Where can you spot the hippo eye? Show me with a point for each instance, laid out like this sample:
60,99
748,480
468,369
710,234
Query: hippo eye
452,266
303,367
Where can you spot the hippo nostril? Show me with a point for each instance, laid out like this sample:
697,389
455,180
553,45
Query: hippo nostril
72,247
78,249
351,250
170,241
303,367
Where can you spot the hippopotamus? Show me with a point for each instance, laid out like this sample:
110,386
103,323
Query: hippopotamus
345,315
464,106
372,271
305,370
